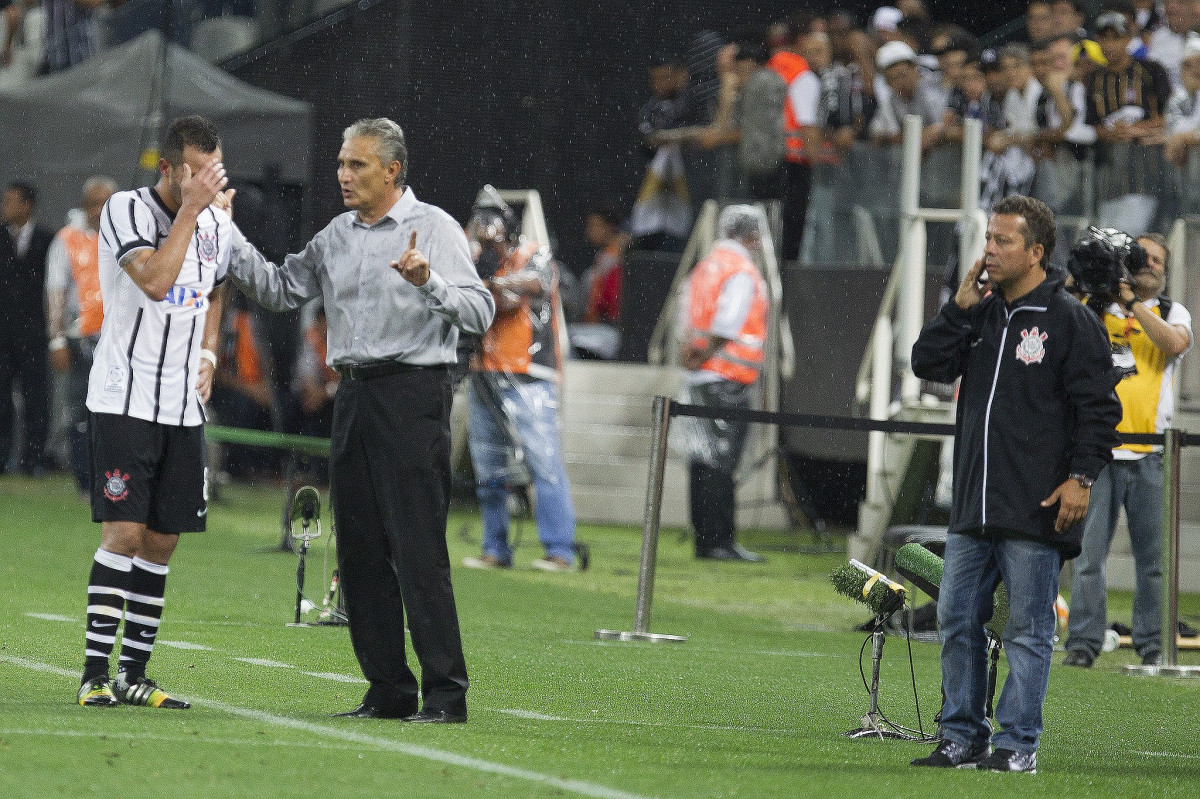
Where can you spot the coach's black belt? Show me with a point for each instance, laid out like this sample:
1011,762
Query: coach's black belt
370,371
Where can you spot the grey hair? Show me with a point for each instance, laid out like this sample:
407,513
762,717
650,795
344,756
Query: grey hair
739,222
389,142
100,182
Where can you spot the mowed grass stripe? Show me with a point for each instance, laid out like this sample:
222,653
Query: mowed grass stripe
442,756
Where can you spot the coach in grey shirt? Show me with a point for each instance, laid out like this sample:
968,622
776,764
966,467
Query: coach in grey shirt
398,283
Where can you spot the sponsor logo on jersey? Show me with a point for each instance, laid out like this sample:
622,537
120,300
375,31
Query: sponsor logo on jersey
115,486
115,381
185,297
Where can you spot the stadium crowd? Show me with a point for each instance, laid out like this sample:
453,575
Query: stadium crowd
1097,115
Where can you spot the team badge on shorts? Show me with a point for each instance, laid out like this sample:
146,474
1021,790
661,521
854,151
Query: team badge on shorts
206,245
115,487
1031,350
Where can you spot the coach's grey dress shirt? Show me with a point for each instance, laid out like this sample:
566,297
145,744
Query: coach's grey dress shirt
373,313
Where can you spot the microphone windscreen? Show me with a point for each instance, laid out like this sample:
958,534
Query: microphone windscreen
849,581
922,567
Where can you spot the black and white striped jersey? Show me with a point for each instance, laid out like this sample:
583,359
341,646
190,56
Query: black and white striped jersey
149,352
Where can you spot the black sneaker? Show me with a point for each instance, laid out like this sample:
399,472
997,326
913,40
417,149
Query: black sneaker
97,692
1009,760
1079,657
1152,659
954,755
145,692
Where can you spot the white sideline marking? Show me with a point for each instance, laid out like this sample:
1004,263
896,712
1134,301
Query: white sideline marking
186,645
92,735
580,787
51,617
329,675
275,664
529,714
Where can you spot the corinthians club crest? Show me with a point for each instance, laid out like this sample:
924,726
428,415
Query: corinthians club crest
115,487
206,245
1031,349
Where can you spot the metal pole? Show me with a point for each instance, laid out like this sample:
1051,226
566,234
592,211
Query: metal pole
972,152
1170,532
1172,448
650,527
910,307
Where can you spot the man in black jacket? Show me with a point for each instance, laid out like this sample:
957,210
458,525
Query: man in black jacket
1037,419
23,249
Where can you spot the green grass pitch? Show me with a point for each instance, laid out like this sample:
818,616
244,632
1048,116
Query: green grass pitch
752,705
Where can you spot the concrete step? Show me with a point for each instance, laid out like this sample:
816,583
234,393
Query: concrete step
610,439
619,379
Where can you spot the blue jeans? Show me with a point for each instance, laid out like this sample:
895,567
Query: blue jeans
973,568
533,407
1137,486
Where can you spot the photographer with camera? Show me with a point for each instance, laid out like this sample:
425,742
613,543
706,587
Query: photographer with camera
514,429
1149,334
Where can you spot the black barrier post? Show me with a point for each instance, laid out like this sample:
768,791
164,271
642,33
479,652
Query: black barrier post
650,527
1172,447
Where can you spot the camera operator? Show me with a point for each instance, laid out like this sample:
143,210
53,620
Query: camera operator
1149,333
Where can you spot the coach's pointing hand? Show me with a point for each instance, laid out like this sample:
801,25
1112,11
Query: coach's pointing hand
413,266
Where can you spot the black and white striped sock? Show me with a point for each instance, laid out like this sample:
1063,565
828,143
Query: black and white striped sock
143,612
107,587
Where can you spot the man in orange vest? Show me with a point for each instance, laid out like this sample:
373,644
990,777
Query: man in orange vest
724,323
800,129
75,311
514,431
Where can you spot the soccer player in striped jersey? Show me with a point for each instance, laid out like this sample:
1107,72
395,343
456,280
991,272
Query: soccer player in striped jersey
163,253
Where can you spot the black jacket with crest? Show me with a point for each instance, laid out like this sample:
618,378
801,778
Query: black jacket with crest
1036,404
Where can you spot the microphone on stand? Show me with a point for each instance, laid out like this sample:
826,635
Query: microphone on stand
874,589
306,507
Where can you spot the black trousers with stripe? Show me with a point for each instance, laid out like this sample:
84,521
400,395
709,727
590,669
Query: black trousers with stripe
390,463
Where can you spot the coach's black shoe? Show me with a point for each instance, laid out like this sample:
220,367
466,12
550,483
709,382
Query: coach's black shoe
428,716
97,692
1079,657
145,692
954,755
1009,760
365,711
1152,659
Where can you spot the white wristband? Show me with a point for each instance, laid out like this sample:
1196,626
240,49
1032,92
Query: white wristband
209,356
58,343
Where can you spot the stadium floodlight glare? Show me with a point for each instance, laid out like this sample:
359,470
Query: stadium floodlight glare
306,508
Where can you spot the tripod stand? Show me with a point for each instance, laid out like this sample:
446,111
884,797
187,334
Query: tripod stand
873,723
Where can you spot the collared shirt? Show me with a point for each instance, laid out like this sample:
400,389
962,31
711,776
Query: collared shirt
373,313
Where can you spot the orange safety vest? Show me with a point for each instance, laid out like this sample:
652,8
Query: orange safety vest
506,344
789,66
319,343
741,359
245,353
82,247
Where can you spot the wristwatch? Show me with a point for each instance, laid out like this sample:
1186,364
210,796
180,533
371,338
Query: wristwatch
1083,479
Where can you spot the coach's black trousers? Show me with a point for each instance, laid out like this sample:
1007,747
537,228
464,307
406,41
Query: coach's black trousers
390,464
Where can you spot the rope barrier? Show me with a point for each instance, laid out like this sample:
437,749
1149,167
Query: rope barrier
867,425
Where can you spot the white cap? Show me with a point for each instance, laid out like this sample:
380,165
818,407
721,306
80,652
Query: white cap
1191,45
893,53
886,18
